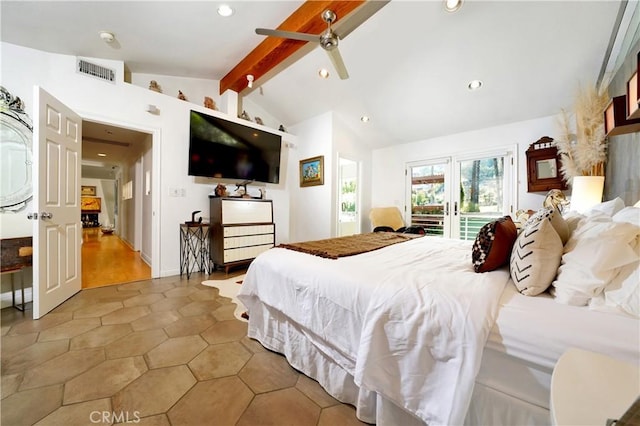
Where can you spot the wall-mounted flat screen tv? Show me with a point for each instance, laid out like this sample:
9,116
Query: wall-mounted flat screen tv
223,149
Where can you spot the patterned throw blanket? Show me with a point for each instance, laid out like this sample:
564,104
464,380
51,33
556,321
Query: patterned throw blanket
333,248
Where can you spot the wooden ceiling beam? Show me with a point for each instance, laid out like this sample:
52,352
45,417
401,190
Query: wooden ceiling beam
274,50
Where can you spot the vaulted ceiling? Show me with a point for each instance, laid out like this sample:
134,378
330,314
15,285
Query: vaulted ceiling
409,63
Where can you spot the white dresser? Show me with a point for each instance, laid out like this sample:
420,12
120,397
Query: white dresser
240,230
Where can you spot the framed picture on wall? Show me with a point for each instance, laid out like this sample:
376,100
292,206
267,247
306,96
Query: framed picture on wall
90,204
312,171
88,191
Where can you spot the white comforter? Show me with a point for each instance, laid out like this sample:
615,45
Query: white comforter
408,321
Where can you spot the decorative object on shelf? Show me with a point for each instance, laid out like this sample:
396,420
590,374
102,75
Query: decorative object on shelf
15,149
584,152
209,103
543,166
555,199
312,171
153,85
88,191
615,118
281,128
193,221
244,116
241,189
259,120
181,96
220,191
263,193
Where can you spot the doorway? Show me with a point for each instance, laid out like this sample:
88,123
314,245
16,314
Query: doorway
348,197
117,245
454,197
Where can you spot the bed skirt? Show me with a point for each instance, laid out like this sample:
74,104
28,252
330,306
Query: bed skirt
276,332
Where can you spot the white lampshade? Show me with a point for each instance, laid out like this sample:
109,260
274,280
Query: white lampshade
586,192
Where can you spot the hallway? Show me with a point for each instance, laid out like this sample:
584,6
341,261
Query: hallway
107,260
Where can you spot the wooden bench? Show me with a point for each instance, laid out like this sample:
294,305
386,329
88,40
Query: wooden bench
16,254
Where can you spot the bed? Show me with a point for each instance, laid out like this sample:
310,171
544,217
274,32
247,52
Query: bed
417,337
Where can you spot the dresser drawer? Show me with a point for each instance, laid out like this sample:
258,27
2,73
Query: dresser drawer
243,253
248,240
237,231
246,211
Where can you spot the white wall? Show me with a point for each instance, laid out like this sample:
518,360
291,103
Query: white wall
125,105
388,165
147,207
312,207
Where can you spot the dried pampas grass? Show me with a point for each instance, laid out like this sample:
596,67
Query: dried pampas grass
584,153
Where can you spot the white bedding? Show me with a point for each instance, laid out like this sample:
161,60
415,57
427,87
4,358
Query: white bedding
408,321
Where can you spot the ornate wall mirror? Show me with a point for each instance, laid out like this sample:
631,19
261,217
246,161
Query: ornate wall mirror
16,150
543,166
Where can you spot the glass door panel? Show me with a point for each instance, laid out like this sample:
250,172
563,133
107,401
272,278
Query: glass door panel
348,196
481,197
429,196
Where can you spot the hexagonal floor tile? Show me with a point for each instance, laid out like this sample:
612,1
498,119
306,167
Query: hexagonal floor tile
62,368
313,390
155,391
111,375
268,371
218,401
190,325
175,351
84,413
283,407
100,336
143,299
219,361
225,331
69,329
19,409
125,315
155,320
137,343
201,307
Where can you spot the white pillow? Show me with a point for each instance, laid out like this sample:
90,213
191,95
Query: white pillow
593,256
553,216
535,258
609,207
628,214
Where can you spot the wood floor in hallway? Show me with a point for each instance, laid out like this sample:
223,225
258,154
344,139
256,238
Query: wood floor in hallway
107,260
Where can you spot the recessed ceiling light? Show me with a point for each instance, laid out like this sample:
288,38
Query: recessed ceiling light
364,119
107,37
324,73
225,10
452,5
102,154
474,84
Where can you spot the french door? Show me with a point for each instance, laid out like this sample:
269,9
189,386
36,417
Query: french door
454,197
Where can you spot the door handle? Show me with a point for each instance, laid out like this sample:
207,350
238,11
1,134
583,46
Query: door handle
46,215
32,216
446,208
455,208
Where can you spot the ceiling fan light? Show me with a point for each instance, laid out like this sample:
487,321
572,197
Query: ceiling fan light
250,80
107,37
323,73
452,5
225,10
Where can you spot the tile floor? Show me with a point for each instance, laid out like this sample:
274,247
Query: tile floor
166,351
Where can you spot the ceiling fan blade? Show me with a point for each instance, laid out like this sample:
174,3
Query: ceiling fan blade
338,63
344,27
288,34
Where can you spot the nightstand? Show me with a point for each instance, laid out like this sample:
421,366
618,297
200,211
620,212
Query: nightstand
587,388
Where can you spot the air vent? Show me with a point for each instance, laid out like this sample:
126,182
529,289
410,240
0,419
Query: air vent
97,71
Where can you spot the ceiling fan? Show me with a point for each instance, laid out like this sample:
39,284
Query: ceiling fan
328,40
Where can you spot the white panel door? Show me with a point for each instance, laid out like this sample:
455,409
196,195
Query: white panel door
57,232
